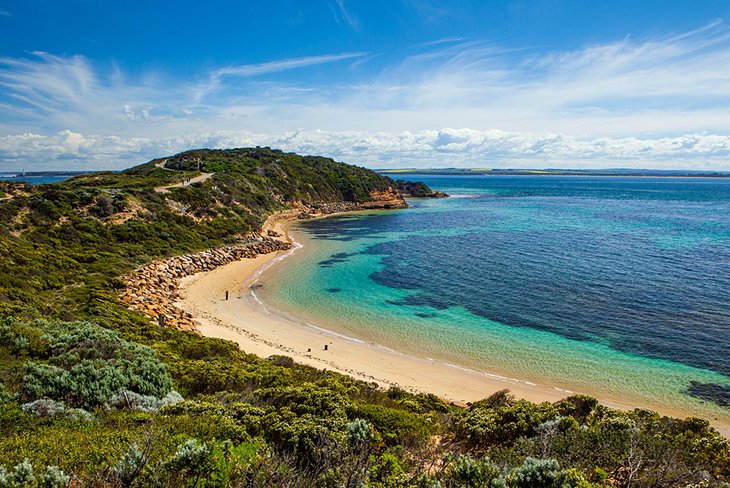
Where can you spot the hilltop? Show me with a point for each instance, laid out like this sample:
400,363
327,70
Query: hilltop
95,394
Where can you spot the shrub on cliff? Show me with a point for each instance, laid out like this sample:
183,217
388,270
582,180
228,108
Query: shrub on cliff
217,375
466,471
129,400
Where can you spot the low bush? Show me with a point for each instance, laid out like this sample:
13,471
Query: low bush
84,365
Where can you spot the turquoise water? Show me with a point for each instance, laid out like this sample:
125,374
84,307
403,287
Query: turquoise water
615,287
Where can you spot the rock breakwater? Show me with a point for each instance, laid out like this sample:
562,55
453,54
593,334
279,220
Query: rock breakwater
153,288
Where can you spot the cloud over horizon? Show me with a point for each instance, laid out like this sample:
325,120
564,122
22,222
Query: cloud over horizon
429,148
656,102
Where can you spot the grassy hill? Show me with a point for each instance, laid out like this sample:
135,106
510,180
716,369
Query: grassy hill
92,394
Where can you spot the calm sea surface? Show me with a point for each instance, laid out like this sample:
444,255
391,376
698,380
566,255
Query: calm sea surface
36,180
619,287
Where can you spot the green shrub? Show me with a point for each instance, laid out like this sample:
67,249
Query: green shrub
21,476
217,375
386,470
129,400
483,426
307,437
86,365
44,407
472,473
129,467
545,473
54,477
359,432
307,399
397,427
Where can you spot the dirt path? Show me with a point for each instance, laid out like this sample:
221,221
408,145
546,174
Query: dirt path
197,179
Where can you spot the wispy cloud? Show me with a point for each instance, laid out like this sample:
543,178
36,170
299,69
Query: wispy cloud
428,9
283,65
278,66
4,13
54,92
343,15
656,101
446,40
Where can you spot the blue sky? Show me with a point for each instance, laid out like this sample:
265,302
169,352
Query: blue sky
403,83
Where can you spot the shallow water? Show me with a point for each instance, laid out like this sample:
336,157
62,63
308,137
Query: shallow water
612,286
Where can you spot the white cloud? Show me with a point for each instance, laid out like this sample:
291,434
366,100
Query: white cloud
653,102
447,147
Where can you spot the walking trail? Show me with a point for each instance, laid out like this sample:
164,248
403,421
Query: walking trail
166,189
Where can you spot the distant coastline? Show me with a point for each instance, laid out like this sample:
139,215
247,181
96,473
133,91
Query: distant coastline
39,177
612,172
36,174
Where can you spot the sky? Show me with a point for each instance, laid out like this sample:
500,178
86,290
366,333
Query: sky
96,84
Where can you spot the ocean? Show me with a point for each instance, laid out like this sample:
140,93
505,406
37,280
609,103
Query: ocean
36,180
611,286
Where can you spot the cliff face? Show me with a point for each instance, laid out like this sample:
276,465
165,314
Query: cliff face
389,198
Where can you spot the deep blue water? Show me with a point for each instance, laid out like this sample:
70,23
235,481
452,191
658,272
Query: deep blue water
36,180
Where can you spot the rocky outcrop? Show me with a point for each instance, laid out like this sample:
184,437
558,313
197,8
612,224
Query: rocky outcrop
152,289
411,189
333,208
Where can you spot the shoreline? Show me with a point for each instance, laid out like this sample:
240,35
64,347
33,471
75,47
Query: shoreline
259,330
262,331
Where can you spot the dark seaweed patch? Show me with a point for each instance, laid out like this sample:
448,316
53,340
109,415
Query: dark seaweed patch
718,394
340,257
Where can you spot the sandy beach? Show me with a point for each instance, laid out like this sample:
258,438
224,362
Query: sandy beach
262,331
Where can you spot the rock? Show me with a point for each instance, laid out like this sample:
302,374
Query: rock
153,288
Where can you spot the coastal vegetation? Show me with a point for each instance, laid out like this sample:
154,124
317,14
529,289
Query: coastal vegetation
94,394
